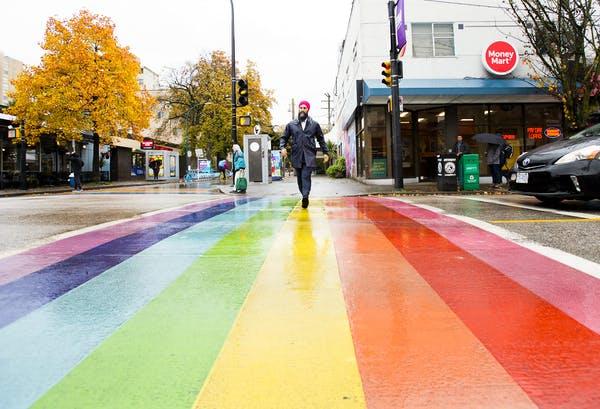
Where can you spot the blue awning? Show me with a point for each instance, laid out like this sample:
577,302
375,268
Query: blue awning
468,90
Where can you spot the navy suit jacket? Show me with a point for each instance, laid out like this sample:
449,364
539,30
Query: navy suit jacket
303,142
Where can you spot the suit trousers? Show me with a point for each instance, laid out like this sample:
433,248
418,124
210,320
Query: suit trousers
303,175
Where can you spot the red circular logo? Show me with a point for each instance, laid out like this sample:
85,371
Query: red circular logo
500,58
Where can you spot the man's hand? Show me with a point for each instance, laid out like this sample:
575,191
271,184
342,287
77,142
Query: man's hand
283,152
325,158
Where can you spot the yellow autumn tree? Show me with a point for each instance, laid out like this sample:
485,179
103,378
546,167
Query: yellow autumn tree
260,102
86,81
198,98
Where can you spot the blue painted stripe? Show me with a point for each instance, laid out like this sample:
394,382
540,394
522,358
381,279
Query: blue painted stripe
18,298
38,350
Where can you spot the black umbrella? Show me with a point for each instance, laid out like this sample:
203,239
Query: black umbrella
493,138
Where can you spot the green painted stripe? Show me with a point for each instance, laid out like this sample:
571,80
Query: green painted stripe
161,357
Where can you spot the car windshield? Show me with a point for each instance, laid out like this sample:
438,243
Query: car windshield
591,131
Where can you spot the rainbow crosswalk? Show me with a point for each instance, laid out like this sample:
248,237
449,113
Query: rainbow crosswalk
257,303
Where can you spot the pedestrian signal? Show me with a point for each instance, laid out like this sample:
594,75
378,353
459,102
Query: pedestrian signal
242,93
387,73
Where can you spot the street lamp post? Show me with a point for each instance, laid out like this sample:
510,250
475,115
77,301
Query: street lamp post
233,81
23,154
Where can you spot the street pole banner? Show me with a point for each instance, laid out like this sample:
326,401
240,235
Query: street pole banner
400,28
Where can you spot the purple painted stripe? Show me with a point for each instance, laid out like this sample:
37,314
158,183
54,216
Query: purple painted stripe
14,267
575,293
22,296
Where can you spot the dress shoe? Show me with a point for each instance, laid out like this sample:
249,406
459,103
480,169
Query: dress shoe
304,202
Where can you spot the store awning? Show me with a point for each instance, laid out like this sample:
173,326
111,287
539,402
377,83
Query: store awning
458,91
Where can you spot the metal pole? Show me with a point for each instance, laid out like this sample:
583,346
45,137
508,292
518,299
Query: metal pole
233,101
23,154
233,81
396,137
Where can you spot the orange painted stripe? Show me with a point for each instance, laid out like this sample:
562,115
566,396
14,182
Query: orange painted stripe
555,359
412,350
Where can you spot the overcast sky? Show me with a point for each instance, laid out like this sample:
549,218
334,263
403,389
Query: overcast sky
294,43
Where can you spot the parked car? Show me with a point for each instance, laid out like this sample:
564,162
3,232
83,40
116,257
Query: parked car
567,169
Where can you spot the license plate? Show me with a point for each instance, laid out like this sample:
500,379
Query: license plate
522,177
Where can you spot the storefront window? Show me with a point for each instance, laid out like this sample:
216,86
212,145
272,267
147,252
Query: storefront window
87,156
507,120
159,160
408,151
473,119
9,156
538,118
431,130
172,166
137,163
32,159
377,166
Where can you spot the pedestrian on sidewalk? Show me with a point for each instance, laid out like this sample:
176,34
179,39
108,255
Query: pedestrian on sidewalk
76,166
301,133
223,166
239,170
492,155
460,147
155,166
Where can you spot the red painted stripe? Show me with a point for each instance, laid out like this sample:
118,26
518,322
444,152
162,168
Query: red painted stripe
411,349
526,267
27,262
555,359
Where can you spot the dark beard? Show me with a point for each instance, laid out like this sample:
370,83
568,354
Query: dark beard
302,116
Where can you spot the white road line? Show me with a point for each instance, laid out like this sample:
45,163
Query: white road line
579,263
538,209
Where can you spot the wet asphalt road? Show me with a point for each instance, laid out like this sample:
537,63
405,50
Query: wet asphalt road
28,221
572,226
232,303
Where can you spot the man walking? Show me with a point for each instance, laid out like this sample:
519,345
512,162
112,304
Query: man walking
76,166
303,132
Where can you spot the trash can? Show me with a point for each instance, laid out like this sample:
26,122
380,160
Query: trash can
446,172
468,172
72,180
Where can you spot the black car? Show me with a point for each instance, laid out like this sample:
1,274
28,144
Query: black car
567,169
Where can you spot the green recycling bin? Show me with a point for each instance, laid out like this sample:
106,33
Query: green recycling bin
468,172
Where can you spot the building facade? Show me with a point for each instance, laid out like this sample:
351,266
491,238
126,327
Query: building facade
47,163
9,69
464,74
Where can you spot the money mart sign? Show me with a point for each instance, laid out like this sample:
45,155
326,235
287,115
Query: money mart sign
500,58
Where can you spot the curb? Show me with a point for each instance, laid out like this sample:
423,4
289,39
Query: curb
68,189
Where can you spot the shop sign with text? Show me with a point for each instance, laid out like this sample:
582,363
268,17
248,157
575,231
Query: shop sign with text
500,58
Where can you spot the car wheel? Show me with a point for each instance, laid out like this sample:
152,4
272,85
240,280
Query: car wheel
549,200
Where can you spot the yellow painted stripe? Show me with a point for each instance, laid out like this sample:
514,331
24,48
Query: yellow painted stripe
594,219
291,345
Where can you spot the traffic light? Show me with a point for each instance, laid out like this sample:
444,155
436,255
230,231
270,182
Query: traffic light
242,93
387,73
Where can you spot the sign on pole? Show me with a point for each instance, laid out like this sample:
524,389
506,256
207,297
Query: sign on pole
400,28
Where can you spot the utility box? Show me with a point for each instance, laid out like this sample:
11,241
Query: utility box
446,172
468,172
257,154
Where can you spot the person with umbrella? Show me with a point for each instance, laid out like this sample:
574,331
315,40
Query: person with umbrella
492,154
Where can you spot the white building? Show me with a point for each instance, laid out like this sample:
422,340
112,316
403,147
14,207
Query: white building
9,69
446,89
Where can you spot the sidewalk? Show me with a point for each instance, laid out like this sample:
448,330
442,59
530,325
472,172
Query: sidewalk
88,186
323,186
